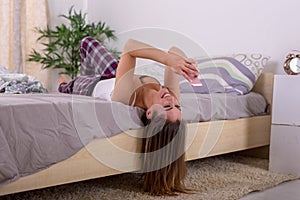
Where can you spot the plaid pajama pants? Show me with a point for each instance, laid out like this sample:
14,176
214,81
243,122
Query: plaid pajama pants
97,64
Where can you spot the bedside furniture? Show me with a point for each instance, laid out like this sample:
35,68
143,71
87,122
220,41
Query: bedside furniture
285,129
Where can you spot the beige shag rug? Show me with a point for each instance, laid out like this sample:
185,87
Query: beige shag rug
224,177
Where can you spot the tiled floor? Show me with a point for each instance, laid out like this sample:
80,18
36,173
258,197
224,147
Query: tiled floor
285,191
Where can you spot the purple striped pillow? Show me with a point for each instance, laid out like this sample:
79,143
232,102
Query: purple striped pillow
235,74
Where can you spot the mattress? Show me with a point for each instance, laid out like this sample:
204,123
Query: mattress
222,106
39,130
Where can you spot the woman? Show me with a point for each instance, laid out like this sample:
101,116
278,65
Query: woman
163,139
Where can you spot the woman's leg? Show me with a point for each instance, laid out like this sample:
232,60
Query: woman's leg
97,63
83,85
96,59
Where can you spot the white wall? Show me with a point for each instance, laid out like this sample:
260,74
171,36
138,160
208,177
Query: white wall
58,7
212,26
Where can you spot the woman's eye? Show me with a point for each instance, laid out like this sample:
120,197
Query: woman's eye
178,107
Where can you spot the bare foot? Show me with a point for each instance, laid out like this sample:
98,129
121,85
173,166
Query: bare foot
62,79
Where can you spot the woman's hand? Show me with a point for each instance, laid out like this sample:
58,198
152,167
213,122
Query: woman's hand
181,65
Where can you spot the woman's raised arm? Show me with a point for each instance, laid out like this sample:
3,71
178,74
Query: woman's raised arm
135,49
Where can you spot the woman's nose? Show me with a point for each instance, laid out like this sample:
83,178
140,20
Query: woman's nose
171,100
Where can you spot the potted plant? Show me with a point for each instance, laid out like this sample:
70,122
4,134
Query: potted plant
62,50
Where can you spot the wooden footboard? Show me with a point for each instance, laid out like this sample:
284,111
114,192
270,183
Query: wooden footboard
119,154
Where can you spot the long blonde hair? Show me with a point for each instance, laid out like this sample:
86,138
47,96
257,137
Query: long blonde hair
164,164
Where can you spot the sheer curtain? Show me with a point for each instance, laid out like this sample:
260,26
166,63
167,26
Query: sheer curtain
18,18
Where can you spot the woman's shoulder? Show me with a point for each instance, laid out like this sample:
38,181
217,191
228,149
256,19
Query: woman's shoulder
126,88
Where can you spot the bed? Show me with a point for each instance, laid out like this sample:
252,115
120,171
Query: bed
119,153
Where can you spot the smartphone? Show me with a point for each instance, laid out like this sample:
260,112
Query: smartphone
195,81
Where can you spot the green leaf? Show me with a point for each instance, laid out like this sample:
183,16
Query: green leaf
61,44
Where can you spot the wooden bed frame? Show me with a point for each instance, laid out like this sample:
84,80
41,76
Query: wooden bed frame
115,155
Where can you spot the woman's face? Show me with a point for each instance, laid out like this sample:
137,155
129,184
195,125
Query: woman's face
165,102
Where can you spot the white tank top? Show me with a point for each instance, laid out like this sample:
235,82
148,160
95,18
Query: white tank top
104,89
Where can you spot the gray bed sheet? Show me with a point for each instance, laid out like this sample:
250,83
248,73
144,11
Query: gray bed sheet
39,130
222,106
